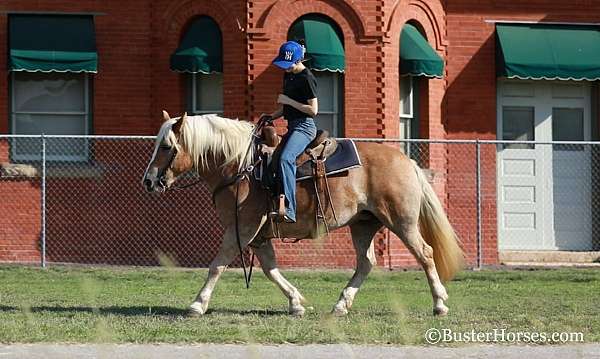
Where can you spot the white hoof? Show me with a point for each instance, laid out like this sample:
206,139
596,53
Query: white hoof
440,310
297,311
197,308
340,311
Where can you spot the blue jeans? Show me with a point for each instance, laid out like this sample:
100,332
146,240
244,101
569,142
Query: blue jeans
300,133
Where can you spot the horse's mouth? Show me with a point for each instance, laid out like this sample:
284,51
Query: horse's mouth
162,185
159,186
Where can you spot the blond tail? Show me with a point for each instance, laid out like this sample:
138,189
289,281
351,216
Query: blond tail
438,232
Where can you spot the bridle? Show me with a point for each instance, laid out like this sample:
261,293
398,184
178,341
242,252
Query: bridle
162,171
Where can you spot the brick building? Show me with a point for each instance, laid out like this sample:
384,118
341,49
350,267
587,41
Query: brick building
136,62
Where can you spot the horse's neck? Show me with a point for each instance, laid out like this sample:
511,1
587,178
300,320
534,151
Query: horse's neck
215,175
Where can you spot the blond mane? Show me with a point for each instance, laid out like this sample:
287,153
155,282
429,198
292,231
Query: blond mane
207,137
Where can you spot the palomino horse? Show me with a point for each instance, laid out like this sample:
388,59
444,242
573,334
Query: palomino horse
387,190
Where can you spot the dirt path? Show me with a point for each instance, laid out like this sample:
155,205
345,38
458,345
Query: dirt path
229,351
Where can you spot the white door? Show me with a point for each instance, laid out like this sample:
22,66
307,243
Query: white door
537,208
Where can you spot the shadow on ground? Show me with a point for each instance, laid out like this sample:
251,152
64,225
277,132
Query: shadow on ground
141,311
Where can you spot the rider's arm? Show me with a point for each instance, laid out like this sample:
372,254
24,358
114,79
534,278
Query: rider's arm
311,109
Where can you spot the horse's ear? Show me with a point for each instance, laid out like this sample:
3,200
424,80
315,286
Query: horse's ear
179,124
166,116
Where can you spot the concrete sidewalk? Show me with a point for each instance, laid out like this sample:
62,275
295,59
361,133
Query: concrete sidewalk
230,351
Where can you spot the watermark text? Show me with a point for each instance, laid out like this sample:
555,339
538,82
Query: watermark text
499,335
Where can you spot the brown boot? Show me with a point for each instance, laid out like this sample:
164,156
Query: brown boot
279,215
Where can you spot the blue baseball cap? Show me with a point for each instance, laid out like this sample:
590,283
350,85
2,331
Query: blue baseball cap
289,53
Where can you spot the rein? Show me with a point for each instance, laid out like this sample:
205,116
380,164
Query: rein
243,173
180,188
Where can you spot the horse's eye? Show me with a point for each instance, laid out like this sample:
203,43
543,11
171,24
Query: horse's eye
164,147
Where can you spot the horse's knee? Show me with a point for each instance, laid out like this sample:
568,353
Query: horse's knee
427,250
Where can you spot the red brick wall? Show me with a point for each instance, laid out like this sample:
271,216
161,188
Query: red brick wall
136,38
20,221
471,96
121,103
134,82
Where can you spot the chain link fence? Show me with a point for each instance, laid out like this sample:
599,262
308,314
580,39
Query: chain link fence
79,199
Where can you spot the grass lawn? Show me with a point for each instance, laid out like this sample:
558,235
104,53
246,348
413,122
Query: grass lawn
149,305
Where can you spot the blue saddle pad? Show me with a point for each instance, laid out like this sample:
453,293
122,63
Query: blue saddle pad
344,158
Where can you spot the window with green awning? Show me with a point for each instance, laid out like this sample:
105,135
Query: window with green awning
417,57
550,52
323,41
52,43
201,49
324,44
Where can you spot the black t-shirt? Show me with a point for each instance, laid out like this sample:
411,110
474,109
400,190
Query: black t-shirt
300,87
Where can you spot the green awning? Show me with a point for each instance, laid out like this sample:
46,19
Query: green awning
536,51
201,49
417,58
324,47
61,43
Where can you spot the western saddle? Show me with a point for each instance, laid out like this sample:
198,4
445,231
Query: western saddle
311,160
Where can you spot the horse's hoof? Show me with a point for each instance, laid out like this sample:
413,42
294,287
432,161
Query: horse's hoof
339,311
440,310
297,311
196,309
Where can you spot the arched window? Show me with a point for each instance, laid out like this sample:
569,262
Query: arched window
418,61
200,54
325,57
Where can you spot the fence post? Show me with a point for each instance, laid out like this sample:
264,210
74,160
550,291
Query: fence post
43,201
479,236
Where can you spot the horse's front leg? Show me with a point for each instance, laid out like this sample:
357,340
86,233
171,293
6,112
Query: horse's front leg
266,255
227,253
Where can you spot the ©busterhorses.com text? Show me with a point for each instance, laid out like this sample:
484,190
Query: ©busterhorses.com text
499,335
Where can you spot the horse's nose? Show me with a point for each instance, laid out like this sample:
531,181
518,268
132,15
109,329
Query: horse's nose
149,185
149,179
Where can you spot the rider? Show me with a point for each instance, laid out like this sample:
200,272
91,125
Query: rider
298,105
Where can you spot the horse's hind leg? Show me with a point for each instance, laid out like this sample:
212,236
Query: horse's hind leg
362,237
266,255
423,252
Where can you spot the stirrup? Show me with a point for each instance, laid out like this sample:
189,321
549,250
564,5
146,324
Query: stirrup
275,216
280,215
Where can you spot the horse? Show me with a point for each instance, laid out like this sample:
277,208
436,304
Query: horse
388,190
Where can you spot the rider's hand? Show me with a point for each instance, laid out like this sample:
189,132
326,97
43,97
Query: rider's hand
266,118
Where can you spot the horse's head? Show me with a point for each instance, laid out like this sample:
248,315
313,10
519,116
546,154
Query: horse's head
169,160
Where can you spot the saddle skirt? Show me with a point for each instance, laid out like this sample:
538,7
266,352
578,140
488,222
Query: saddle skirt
343,158
337,155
